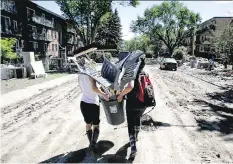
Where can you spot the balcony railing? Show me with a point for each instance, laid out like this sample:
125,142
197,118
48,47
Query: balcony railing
42,21
8,6
72,30
45,37
11,31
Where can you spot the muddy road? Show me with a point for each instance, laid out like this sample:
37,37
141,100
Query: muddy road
192,122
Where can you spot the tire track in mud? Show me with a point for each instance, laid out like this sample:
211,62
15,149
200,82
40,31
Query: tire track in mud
44,103
207,149
40,111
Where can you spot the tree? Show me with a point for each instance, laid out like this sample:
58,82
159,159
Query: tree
225,43
167,22
86,15
7,49
109,32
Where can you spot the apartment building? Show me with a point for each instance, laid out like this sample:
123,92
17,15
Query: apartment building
37,29
206,34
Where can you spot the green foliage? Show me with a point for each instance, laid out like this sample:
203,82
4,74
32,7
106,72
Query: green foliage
109,32
179,53
7,49
88,15
166,22
224,43
85,16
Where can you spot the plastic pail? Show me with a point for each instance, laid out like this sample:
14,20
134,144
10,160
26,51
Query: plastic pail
114,111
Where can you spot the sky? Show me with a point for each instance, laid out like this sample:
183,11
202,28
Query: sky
207,10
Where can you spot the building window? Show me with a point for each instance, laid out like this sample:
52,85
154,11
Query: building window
15,25
35,45
5,24
45,47
55,34
30,13
56,47
52,20
53,47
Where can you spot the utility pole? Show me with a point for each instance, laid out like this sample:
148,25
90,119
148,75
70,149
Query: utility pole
193,39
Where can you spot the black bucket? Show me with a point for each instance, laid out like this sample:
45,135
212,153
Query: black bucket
114,111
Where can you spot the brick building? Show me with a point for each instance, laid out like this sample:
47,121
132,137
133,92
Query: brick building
37,29
206,34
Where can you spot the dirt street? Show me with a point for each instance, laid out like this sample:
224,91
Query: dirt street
192,122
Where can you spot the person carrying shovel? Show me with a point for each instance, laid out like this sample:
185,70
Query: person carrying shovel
90,104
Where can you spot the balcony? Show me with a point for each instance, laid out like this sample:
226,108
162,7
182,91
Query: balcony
72,30
42,21
44,37
11,32
8,6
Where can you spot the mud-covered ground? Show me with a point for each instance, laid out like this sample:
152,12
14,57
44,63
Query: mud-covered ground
14,84
192,122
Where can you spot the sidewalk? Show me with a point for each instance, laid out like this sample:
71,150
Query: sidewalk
22,94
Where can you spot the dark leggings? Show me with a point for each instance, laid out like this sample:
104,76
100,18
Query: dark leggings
133,117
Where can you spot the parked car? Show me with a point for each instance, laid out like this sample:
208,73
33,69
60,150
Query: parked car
168,63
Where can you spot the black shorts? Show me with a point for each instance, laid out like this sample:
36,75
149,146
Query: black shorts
91,113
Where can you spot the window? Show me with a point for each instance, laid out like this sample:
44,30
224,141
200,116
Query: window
45,47
52,20
5,24
15,25
30,12
35,45
17,45
55,34
44,31
55,47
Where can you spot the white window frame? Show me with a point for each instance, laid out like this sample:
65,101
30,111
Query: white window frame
15,24
34,12
17,46
5,17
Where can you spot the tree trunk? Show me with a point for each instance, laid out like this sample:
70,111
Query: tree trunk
170,49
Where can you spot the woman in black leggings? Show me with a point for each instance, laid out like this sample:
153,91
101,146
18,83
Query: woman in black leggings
134,109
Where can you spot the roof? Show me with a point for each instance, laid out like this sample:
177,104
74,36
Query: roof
48,11
214,18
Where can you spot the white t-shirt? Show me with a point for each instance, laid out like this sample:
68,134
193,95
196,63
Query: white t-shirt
88,95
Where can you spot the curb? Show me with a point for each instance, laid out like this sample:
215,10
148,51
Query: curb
22,94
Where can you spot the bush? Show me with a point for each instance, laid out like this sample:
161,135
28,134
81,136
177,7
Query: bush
179,53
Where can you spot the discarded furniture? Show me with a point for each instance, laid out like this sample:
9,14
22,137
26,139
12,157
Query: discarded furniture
38,69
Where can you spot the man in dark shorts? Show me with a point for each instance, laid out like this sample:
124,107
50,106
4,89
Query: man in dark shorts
90,106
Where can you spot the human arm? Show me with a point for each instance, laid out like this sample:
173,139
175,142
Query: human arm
97,90
126,90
